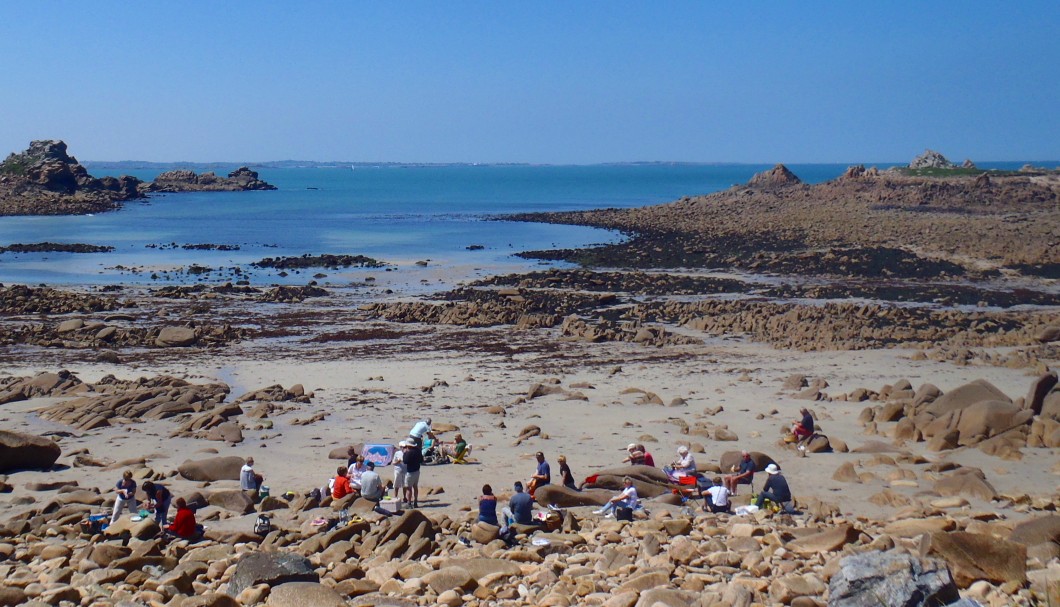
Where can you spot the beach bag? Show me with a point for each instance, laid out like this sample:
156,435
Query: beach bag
624,513
263,525
551,520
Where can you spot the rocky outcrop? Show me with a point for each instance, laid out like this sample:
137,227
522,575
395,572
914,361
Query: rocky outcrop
239,180
890,578
931,159
45,180
20,451
777,176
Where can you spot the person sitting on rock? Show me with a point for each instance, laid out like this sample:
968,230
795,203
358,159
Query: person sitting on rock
184,525
249,480
627,498
776,489
648,459
126,495
716,498
635,457
684,465
743,476
565,475
803,428
542,476
520,508
341,487
372,488
487,506
356,471
158,499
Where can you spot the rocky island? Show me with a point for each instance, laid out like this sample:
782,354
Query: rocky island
45,180
239,180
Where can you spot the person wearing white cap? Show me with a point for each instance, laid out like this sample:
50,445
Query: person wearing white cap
776,489
635,457
399,471
684,465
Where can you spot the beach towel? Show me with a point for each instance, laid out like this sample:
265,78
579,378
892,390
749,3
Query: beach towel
379,454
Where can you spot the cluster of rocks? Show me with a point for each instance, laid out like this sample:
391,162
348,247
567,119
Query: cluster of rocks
239,180
21,299
778,176
604,330
931,159
318,261
973,415
636,283
921,556
77,333
45,180
55,247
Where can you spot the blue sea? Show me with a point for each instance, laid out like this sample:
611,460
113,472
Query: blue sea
396,214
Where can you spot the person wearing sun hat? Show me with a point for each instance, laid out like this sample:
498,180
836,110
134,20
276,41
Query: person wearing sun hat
776,489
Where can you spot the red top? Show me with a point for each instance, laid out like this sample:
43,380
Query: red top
649,460
184,523
342,487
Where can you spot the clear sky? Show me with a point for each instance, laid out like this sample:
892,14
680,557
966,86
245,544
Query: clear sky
555,82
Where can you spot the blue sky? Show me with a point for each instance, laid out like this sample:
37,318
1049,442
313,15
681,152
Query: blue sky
555,82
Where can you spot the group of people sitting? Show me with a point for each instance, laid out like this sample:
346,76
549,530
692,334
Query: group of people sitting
158,502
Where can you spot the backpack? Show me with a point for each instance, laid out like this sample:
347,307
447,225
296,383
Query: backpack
263,525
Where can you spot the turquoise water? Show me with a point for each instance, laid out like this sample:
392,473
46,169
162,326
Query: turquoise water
395,214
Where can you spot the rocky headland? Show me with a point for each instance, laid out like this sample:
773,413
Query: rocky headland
45,180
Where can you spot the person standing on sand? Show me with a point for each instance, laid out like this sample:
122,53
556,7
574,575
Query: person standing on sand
413,462
126,495
399,473
421,429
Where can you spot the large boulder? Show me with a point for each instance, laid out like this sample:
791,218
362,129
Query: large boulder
20,451
174,337
645,473
299,594
565,497
931,159
232,499
978,421
1037,530
828,540
272,568
1039,390
212,469
966,482
878,578
974,557
729,459
965,396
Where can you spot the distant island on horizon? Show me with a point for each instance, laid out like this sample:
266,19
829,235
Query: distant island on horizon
120,165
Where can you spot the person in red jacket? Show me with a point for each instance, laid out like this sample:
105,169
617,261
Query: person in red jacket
342,486
183,525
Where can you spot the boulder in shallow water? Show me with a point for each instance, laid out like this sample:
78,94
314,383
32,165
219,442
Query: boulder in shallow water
174,337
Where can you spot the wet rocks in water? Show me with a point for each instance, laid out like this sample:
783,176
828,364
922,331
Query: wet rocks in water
318,261
55,247
20,299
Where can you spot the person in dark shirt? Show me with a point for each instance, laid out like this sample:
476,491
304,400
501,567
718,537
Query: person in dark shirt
520,507
565,475
413,462
803,428
487,506
159,498
776,489
542,476
744,476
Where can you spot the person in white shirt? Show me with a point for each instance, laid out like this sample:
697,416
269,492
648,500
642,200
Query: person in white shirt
626,499
716,498
421,429
247,478
399,472
684,465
